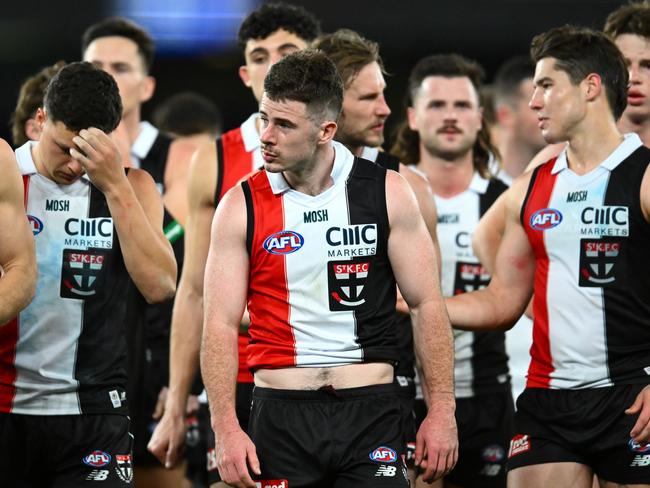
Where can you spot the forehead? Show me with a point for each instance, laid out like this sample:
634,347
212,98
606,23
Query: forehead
369,78
633,46
58,131
285,109
546,68
275,41
111,49
444,88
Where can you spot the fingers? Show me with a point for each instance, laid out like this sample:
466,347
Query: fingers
160,404
253,461
171,456
641,430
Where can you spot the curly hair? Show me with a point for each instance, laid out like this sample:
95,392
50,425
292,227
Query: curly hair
30,99
633,18
121,27
309,77
579,52
270,17
82,96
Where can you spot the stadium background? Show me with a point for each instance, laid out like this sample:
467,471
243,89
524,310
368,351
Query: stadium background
197,39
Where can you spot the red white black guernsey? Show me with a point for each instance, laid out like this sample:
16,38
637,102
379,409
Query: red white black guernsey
238,154
66,353
592,275
481,362
321,288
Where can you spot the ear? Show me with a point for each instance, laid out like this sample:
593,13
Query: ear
410,118
32,129
504,115
593,86
243,74
148,87
41,117
327,131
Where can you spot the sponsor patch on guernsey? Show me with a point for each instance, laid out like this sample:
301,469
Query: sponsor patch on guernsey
383,454
519,443
545,219
283,242
97,459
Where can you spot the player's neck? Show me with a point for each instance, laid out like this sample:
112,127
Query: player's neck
592,144
131,123
447,178
640,127
316,176
515,154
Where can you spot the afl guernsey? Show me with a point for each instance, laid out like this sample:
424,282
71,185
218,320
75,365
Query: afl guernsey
65,353
592,276
481,363
238,155
321,288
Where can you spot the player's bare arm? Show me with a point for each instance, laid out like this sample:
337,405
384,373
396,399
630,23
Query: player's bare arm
17,255
427,205
187,317
226,285
177,176
500,305
137,212
418,280
641,406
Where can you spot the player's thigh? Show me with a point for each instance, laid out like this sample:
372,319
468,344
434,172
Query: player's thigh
160,477
559,475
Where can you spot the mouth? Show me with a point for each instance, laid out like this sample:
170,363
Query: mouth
268,156
449,131
635,97
541,122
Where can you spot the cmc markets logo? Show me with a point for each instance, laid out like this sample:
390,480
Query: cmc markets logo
283,242
383,454
545,219
97,459
36,224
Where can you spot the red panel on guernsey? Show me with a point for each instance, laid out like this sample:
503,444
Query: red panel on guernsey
541,364
236,164
268,298
8,343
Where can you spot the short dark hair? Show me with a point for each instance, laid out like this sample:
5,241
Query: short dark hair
349,51
407,145
186,114
509,76
579,52
270,17
309,77
30,99
82,96
121,27
633,18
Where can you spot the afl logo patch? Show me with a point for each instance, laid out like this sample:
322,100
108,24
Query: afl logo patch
97,459
283,242
636,447
545,219
36,224
383,454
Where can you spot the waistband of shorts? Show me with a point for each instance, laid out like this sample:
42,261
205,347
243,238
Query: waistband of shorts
326,394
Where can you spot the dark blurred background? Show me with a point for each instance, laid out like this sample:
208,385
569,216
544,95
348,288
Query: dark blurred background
197,38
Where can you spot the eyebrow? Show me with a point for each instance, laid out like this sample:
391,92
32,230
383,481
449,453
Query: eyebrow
542,80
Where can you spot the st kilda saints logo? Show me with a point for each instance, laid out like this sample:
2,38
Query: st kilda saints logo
81,272
470,277
347,283
599,262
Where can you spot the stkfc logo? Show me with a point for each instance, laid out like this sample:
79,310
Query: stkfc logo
346,281
81,273
598,262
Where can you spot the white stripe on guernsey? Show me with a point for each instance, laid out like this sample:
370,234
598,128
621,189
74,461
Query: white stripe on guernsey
455,240
575,314
322,337
50,326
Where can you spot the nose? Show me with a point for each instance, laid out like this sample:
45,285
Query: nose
633,71
536,100
267,137
382,108
75,167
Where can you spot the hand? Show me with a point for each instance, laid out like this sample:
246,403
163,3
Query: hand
641,430
101,159
235,453
436,444
160,403
168,438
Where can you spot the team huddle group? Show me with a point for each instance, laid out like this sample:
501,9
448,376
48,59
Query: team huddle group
348,303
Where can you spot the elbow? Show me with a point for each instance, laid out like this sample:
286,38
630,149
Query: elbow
162,290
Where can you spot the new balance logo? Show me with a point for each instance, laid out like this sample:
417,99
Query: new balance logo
386,471
97,475
641,460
